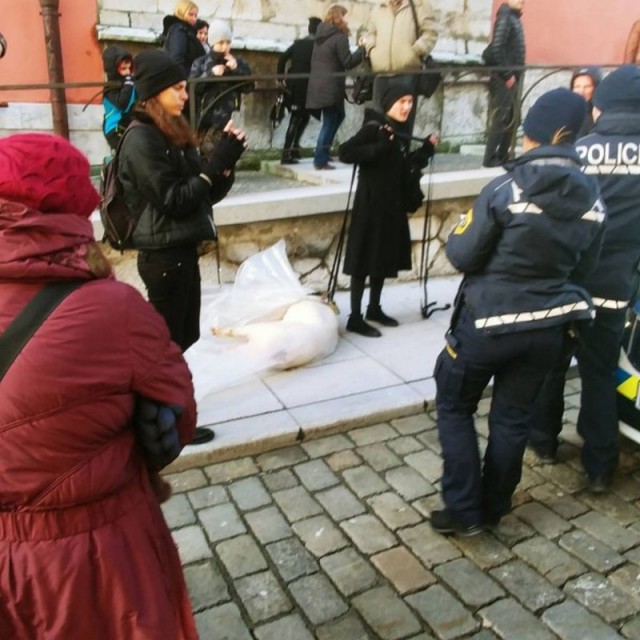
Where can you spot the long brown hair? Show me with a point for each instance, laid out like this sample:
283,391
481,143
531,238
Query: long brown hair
335,16
175,128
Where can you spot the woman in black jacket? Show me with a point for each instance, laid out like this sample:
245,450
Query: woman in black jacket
326,88
179,36
171,191
378,243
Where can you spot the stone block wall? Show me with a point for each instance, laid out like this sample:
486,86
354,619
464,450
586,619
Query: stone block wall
311,246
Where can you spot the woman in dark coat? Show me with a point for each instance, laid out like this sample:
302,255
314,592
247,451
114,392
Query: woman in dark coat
170,190
378,243
179,36
326,90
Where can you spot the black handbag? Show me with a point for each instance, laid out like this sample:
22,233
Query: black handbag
430,78
362,90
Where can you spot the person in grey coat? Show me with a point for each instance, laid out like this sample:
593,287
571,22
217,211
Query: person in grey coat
325,94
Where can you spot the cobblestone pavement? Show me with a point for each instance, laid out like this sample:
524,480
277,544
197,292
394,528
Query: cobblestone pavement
330,540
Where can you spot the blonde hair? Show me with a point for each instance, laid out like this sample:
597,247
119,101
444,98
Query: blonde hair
335,16
183,7
561,135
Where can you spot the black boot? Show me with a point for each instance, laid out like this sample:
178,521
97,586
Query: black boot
376,314
202,435
287,158
356,324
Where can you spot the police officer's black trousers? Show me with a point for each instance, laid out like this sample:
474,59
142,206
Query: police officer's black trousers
597,352
518,363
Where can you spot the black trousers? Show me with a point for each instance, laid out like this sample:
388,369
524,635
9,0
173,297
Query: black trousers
502,103
518,362
297,124
172,279
597,350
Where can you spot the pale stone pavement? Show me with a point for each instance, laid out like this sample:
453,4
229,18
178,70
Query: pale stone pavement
330,539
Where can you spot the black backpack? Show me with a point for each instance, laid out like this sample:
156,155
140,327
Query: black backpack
118,221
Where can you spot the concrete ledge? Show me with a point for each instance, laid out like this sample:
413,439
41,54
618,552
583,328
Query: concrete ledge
326,192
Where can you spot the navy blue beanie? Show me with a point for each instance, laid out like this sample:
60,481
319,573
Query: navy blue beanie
620,90
557,111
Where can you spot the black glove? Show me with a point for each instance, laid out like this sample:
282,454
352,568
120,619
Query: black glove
421,156
154,425
224,155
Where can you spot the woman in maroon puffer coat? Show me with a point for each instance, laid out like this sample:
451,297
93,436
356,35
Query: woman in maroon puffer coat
84,549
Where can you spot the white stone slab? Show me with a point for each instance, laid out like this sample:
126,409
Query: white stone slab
357,410
333,380
247,399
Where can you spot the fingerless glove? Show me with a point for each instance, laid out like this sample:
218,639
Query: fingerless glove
224,156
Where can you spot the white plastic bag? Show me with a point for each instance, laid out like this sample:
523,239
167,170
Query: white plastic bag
276,324
265,287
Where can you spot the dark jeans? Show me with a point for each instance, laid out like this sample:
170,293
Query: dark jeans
297,125
518,363
597,352
502,102
404,129
172,279
332,118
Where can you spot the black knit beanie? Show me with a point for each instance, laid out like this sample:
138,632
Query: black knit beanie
620,90
154,71
557,111
394,90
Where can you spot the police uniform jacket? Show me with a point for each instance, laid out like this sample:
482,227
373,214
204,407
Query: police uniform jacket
612,153
529,233
162,185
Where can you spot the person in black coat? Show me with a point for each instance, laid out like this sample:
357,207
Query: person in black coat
507,49
170,191
179,37
530,234
331,56
379,244
298,57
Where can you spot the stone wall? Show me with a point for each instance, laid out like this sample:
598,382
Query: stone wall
311,246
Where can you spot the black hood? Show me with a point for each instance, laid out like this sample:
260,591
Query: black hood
169,21
326,31
551,177
111,56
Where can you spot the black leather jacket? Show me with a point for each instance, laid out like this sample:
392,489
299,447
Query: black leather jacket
507,43
161,182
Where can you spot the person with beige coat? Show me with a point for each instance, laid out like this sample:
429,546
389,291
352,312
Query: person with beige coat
396,45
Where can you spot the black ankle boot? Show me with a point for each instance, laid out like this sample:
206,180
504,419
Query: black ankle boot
376,314
356,324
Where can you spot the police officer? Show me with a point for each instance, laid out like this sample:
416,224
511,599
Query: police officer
612,154
528,233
